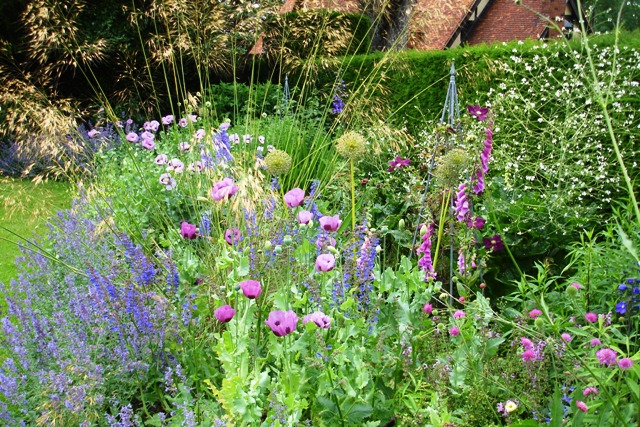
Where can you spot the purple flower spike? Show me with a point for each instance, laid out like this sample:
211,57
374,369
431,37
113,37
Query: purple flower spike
282,322
330,223
304,217
188,231
294,197
251,288
494,243
319,318
223,189
232,236
224,313
478,112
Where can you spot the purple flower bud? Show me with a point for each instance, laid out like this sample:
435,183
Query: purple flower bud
251,288
304,217
428,308
294,198
224,313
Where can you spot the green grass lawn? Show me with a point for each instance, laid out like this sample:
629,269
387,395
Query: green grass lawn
24,209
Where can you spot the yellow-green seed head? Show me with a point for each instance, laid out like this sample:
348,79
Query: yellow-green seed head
452,167
278,162
351,145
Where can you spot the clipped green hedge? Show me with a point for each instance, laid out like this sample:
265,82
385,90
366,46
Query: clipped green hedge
415,82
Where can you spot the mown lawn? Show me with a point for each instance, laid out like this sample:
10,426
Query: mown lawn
24,209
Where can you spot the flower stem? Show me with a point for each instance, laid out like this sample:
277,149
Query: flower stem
353,197
444,208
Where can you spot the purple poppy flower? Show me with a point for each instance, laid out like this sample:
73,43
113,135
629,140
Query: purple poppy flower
304,217
223,189
325,262
330,223
493,243
147,135
199,134
251,288
224,313
232,236
165,178
294,197
148,144
192,118
196,167
167,120
319,318
184,146
132,137
93,133
183,123
282,322
188,231
151,126
161,159
478,112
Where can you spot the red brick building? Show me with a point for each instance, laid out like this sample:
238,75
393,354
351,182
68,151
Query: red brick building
440,24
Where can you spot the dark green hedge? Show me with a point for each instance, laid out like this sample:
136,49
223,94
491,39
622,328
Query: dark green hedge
415,82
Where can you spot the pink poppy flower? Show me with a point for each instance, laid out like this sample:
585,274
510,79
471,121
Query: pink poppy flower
325,262
304,217
188,231
224,313
330,223
223,190
251,288
319,318
232,236
294,198
282,322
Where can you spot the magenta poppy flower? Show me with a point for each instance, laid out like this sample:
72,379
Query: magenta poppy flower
282,322
428,308
232,236
224,313
251,288
132,137
223,189
294,198
325,262
494,243
304,217
319,318
330,223
478,112
93,133
188,231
